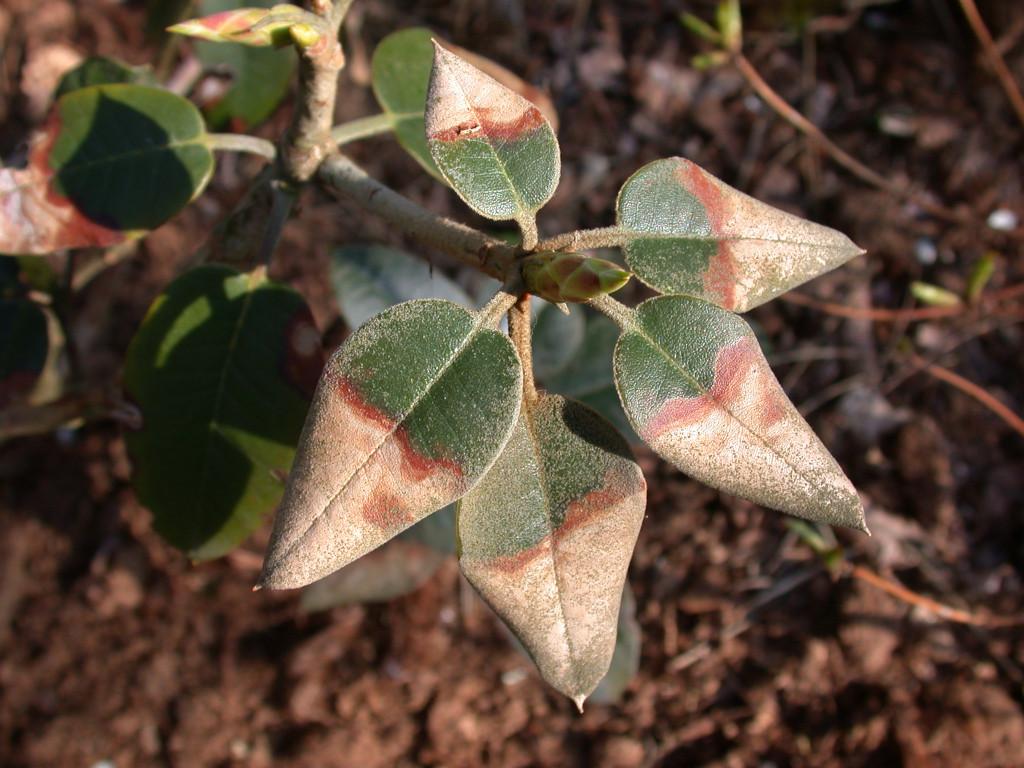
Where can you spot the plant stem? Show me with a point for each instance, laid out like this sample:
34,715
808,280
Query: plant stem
466,244
623,316
308,140
25,420
283,200
528,228
500,304
362,128
519,321
782,108
585,239
240,142
995,59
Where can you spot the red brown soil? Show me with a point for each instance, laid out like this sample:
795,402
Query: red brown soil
114,648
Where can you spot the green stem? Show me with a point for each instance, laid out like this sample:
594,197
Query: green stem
586,239
623,316
362,128
466,244
240,142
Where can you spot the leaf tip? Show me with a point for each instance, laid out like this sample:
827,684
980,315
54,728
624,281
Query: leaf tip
578,701
257,587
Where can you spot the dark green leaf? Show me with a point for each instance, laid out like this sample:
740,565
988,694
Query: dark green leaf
557,338
98,70
368,279
113,161
24,344
222,368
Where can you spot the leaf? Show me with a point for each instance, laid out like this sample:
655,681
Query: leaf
934,295
395,569
697,389
495,148
588,376
557,337
693,234
258,27
559,277
24,347
99,70
260,75
547,535
401,69
368,279
222,368
409,414
112,161
626,659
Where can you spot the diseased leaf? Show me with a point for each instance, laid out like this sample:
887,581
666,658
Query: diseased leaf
112,161
98,70
408,415
495,148
258,27
588,376
547,535
222,368
260,76
368,279
24,347
698,390
557,337
401,76
695,235
626,659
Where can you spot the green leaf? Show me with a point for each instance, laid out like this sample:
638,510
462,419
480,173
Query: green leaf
934,295
495,148
223,368
368,279
557,338
401,75
692,234
260,75
698,390
409,414
99,70
547,535
588,375
113,161
24,347
980,275
626,659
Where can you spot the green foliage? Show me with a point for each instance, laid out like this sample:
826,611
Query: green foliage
98,70
222,368
427,403
260,75
113,161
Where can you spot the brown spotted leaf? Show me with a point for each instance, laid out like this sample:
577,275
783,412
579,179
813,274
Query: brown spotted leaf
495,148
690,233
697,389
112,161
408,415
547,535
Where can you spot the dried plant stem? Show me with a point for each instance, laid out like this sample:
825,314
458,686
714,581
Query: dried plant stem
995,58
585,239
782,108
466,244
239,142
519,329
24,420
900,592
971,389
362,128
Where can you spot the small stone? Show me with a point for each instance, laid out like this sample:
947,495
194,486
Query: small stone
1002,220
925,251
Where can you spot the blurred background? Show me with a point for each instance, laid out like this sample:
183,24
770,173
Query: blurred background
752,641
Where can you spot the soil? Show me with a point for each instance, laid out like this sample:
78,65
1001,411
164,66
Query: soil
114,650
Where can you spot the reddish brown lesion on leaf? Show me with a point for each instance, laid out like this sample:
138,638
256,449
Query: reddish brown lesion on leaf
741,385
34,217
492,124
